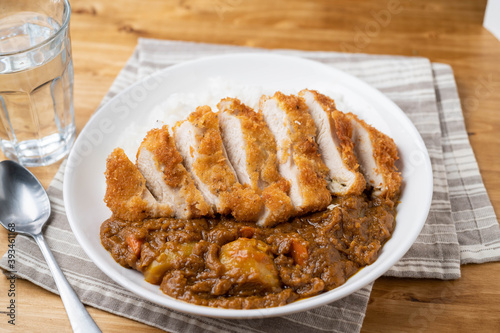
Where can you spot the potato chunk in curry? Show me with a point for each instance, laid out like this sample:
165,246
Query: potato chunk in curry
169,259
250,265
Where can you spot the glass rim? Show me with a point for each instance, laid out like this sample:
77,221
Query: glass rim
64,26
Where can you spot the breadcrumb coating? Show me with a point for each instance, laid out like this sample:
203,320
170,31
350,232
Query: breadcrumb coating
261,162
385,154
311,171
344,132
126,192
169,161
214,170
205,182
340,124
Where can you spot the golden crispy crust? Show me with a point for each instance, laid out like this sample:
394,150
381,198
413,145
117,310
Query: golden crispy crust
169,160
242,201
278,203
344,133
126,189
129,199
385,153
210,164
260,148
343,129
212,167
311,169
161,145
261,161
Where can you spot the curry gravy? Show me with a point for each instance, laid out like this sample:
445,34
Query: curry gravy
218,262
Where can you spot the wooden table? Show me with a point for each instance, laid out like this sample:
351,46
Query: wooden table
104,34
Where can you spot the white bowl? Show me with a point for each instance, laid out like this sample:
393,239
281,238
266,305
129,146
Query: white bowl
84,182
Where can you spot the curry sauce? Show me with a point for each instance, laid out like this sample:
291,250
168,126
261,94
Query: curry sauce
219,262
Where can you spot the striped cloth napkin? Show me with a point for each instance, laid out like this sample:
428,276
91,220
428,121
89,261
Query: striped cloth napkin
461,227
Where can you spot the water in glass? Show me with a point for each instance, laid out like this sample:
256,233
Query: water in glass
36,89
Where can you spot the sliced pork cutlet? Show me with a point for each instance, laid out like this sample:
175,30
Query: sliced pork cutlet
126,193
199,142
376,154
298,157
333,135
161,165
251,149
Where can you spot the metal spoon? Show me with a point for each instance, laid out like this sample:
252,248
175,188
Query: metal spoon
25,205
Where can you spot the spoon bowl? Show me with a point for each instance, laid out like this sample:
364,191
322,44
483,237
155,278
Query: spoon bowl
24,208
23,200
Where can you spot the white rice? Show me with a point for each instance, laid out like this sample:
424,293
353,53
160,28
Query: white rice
178,106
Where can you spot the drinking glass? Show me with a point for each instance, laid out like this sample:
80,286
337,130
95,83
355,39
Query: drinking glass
37,122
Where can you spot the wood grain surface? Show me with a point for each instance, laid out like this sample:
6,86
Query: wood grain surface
104,34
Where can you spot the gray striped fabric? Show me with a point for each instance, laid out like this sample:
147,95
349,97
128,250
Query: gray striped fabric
461,227
472,213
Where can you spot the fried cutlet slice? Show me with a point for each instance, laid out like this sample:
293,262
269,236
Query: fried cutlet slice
161,165
334,133
126,193
251,149
376,154
199,142
299,160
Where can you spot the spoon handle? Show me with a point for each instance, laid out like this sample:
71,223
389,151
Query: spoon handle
80,319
